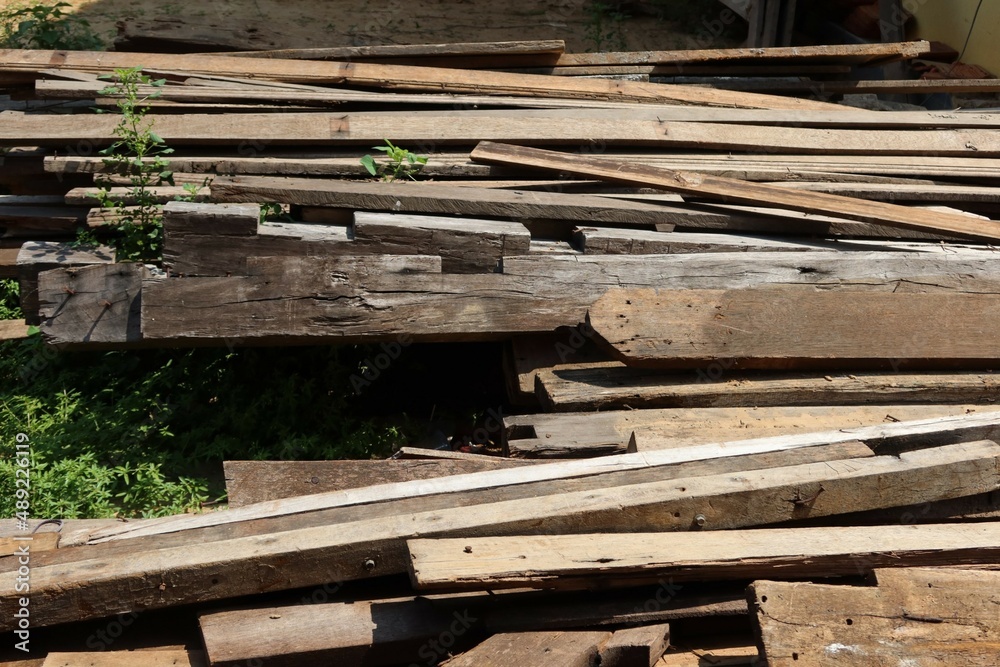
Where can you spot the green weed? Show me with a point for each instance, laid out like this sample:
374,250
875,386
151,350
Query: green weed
145,433
402,163
605,27
42,26
10,301
141,154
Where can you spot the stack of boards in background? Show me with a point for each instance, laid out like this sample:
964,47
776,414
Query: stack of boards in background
733,310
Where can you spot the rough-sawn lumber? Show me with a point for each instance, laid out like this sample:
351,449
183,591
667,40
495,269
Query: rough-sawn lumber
735,191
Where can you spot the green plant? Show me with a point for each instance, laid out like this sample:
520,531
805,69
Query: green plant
85,238
10,300
42,26
272,212
606,25
141,154
192,190
401,162
144,433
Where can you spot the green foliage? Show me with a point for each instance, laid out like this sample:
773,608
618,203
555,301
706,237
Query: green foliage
141,154
85,238
144,433
42,26
401,162
10,300
272,212
606,25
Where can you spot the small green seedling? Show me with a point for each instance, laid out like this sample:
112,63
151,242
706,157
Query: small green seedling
401,162
141,154
42,26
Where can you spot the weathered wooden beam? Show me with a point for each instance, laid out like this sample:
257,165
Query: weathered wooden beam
533,294
95,305
572,561
465,245
464,55
636,647
613,386
146,658
755,132
457,165
249,482
36,257
613,241
916,616
840,53
731,190
394,77
668,428
536,649
217,239
777,329
449,200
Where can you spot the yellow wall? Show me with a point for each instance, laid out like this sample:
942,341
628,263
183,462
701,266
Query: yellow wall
950,21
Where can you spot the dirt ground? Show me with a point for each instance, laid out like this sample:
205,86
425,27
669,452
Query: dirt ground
585,25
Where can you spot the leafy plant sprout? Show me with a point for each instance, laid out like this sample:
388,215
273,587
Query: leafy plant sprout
42,26
401,162
141,154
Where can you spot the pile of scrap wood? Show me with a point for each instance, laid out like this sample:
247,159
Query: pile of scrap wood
611,558
762,326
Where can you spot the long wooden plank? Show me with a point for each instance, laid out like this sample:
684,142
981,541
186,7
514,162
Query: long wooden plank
249,482
611,241
849,53
466,55
567,388
903,86
209,90
916,616
762,139
536,649
533,127
776,328
949,429
378,632
446,200
396,77
570,561
534,293
421,124
904,192
731,190
669,428
456,165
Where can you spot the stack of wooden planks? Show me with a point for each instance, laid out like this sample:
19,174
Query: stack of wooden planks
760,323
615,557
